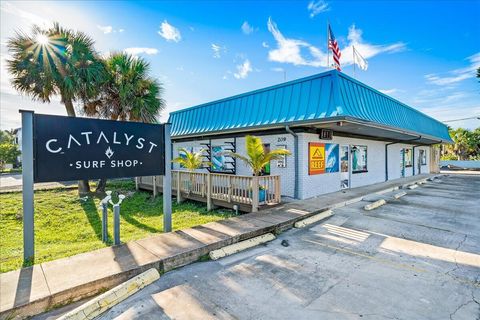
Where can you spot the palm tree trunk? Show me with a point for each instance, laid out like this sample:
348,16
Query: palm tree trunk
83,185
102,183
69,106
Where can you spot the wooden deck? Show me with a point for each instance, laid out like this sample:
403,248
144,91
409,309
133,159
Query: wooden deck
247,192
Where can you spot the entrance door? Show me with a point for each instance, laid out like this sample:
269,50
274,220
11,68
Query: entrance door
345,167
421,155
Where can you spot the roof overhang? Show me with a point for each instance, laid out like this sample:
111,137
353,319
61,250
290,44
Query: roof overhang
348,126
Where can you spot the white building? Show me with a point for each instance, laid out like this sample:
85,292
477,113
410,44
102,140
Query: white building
341,132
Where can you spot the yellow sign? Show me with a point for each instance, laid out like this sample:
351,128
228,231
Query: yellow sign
316,158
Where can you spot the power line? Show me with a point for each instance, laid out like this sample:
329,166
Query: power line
476,117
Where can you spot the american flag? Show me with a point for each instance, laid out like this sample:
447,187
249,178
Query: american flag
333,45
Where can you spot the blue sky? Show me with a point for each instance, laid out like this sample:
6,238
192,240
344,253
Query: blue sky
423,53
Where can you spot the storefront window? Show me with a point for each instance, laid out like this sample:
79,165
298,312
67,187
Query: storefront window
423,157
266,169
408,157
359,159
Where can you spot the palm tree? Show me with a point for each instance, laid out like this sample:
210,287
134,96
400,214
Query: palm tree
257,158
192,160
55,62
128,93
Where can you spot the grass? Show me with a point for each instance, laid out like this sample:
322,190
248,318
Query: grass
66,225
11,171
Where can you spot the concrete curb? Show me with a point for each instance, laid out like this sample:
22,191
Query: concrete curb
400,194
107,300
313,219
375,204
240,246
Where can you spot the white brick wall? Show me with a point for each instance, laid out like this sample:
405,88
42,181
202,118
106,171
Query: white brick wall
314,185
287,175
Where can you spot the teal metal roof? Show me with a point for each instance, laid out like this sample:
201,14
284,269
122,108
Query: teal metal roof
319,97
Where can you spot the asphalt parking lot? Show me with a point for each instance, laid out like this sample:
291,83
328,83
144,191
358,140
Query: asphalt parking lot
417,257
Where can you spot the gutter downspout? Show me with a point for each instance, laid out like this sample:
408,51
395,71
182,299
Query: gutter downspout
413,160
295,145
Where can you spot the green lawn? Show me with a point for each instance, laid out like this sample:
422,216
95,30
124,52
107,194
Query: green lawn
65,225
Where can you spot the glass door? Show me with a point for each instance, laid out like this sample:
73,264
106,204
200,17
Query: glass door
345,167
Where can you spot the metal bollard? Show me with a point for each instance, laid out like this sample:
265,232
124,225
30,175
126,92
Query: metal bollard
116,224
104,207
105,222
116,219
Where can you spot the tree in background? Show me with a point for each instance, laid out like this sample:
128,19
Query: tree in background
466,145
55,62
8,154
6,137
127,93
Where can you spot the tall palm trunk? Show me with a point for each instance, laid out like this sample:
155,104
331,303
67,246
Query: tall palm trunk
102,183
83,185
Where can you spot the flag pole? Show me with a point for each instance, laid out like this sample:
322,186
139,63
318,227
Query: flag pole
353,52
328,49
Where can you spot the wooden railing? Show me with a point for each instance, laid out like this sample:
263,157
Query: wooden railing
226,188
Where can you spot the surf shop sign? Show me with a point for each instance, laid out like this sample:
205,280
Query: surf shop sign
67,148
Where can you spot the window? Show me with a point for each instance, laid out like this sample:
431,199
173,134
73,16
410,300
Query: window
359,159
423,157
408,157
282,162
266,169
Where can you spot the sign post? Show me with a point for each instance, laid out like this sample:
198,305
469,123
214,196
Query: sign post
27,186
167,182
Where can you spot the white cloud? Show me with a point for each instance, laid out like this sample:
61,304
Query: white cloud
247,28
109,29
457,75
277,69
8,7
453,113
316,7
289,50
105,29
390,91
139,50
169,32
265,45
218,50
299,52
243,70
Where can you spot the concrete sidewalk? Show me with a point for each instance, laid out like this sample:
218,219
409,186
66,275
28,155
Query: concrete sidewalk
51,284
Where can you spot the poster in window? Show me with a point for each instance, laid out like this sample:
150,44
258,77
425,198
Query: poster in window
323,158
219,160
282,162
408,157
359,159
332,154
344,159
